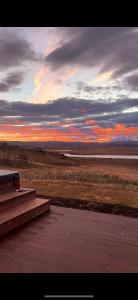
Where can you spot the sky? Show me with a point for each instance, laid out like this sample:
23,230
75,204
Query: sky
71,84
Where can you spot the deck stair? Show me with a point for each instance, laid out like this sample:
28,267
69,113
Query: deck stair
18,207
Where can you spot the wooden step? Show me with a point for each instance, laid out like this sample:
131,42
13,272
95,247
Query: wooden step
22,213
9,200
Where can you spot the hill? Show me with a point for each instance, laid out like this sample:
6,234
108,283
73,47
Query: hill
17,156
123,148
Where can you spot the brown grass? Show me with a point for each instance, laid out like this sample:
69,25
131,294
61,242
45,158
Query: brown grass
104,181
76,183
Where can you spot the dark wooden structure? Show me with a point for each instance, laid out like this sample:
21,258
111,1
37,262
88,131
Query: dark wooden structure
17,206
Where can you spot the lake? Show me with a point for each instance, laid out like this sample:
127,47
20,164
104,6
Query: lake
103,156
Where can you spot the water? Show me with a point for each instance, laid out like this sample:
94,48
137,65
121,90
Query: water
103,156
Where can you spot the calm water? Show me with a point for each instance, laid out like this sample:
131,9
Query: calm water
103,156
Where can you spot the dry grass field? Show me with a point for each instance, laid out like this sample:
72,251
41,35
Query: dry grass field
85,183
51,174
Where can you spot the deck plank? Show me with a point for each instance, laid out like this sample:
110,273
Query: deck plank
72,240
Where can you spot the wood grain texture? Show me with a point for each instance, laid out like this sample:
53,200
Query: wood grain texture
22,213
11,199
72,240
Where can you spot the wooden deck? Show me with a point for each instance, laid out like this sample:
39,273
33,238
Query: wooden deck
72,240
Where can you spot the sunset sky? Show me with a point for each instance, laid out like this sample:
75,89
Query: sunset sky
69,84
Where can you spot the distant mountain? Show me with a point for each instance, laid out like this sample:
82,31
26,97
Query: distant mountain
53,144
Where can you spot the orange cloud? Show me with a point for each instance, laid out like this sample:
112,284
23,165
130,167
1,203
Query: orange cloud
21,132
49,85
118,130
29,133
102,77
83,110
89,122
45,85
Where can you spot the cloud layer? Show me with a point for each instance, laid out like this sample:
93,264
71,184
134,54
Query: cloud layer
14,51
70,119
11,81
75,84
114,48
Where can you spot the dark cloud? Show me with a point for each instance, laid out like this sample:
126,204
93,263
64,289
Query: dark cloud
75,110
132,81
80,85
110,48
11,81
126,85
110,120
14,51
89,89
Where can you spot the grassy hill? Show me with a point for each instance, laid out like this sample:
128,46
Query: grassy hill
17,156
